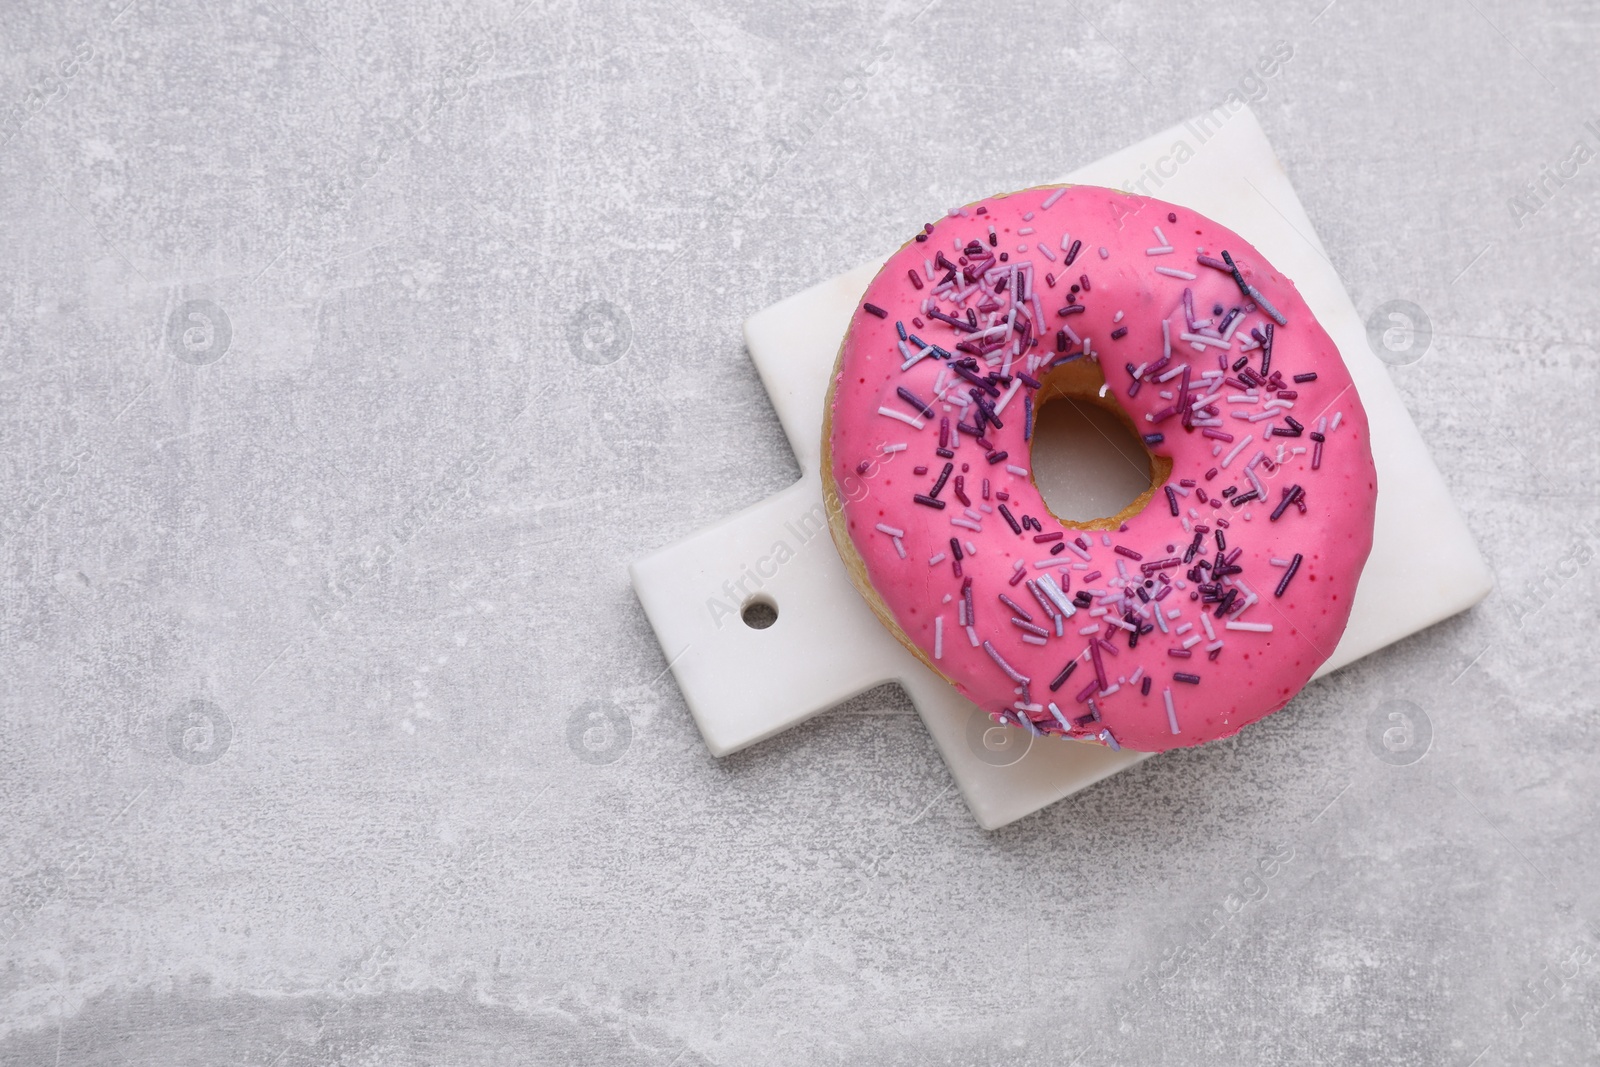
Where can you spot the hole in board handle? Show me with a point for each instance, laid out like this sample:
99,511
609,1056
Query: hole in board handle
759,612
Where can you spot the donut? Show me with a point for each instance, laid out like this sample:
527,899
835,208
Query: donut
1205,604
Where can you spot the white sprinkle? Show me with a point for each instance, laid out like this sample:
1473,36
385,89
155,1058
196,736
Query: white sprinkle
1185,628
1000,405
1236,450
1159,235
971,551
1109,690
1191,642
1213,646
1161,621
1174,272
1104,254
1253,627
1172,372
1173,613
1172,716
914,423
938,637
1090,629
936,559
1024,231
967,524
1205,620
1059,598
972,635
1202,339
1066,241
1060,718
1052,198
1033,639
1046,253
890,530
1159,250
1020,472
899,547
900,447
1136,676
1338,416
1027,216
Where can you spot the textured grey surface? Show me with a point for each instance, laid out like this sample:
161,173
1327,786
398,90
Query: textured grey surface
333,733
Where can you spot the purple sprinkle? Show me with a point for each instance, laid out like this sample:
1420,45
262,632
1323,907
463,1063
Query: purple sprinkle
1180,676
943,475
1119,333
1309,376
955,549
1066,672
1011,520
1172,499
911,398
1283,584
1130,553
874,309
1290,495
928,501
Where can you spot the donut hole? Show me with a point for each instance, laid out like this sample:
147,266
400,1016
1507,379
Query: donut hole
759,612
1087,459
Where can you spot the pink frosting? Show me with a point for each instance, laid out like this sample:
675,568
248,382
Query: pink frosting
1251,616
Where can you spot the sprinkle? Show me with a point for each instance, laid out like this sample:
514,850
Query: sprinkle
1130,553
1236,449
936,559
1072,253
1172,716
899,547
972,635
1294,565
1105,253
1310,376
1050,200
909,420
915,401
1174,272
928,501
938,637
1105,735
938,485
890,530
1253,627
1005,513
874,309
1020,679
1021,472
1290,495
1160,250
1181,676
1057,594
1066,672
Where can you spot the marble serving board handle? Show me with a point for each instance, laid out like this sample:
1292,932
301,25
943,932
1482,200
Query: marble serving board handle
745,684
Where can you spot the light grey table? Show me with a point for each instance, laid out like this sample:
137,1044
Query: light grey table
349,352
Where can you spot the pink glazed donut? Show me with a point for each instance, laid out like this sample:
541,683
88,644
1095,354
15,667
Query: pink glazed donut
1209,601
